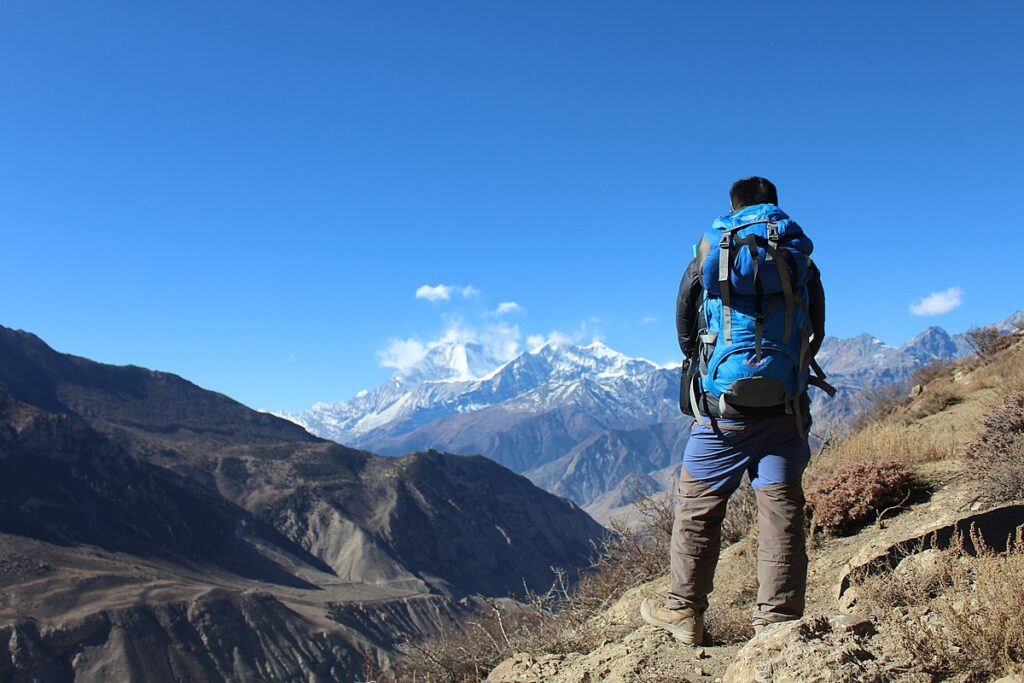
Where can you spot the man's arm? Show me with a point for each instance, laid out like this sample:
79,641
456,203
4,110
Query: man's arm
816,309
690,290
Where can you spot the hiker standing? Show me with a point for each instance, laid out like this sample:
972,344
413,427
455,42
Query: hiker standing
750,317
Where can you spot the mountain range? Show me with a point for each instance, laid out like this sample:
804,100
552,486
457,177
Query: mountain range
582,420
154,530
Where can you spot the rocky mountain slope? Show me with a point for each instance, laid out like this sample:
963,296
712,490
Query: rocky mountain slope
153,530
848,634
585,422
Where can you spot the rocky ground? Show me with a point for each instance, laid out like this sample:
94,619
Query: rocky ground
832,643
838,640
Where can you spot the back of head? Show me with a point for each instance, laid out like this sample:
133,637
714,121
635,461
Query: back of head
751,191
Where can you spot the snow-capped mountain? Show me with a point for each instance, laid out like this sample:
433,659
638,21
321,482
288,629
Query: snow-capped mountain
579,419
558,393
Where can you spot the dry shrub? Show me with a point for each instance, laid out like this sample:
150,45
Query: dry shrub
932,371
564,619
987,341
995,459
858,493
882,403
962,616
560,620
467,655
936,397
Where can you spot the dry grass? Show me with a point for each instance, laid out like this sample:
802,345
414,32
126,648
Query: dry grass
959,616
946,412
940,394
561,620
728,617
1005,372
568,617
887,440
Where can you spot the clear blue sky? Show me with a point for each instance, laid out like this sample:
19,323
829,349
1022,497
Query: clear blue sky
250,194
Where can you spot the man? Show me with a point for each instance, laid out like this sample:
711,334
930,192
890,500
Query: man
749,346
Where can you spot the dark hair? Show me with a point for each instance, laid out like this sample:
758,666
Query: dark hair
753,190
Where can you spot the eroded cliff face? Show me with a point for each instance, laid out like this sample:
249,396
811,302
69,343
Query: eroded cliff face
219,636
154,531
354,554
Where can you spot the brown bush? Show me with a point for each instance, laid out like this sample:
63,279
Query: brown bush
962,617
935,398
933,370
985,341
995,459
859,493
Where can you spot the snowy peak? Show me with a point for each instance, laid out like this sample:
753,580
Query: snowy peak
1014,322
461,377
571,362
450,361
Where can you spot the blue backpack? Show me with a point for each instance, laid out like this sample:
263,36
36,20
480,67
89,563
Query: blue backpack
754,266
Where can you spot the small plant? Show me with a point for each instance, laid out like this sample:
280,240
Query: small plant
960,617
859,493
995,459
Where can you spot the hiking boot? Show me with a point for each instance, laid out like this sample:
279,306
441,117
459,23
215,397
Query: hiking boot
760,625
685,625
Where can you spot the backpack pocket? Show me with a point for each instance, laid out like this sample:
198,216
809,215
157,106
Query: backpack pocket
736,374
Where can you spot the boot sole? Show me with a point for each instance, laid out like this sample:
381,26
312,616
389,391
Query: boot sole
683,635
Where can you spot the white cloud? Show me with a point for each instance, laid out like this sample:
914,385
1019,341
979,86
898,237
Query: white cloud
434,293
507,307
402,353
557,337
938,303
500,341
648,320
445,292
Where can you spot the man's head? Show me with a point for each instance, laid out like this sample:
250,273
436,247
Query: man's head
751,191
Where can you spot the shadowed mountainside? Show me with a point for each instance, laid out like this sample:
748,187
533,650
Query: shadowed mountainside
162,492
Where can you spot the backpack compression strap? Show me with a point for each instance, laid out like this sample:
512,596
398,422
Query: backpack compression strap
773,254
725,268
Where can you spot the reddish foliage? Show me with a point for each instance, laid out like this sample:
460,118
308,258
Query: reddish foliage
858,493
